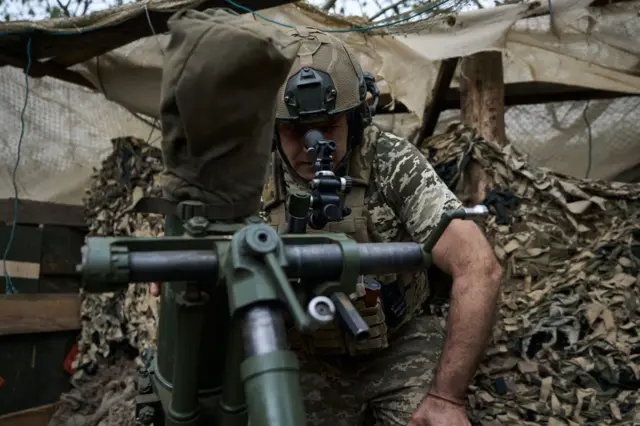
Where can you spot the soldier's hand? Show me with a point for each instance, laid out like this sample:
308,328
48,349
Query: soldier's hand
436,412
155,289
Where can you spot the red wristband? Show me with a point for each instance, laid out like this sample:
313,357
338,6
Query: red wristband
444,398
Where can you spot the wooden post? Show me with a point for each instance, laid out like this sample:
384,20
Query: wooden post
39,313
482,94
482,106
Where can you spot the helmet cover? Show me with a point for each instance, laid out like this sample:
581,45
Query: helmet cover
325,79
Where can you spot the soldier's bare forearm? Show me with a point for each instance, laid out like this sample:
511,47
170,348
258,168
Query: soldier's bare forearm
471,317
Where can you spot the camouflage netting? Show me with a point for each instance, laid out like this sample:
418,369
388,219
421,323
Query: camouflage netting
104,399
566,349
103,382
126,175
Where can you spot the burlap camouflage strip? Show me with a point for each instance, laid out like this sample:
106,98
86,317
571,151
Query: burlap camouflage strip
566,349
104,399
129,316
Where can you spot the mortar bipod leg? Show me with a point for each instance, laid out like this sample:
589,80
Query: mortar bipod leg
270,372
184,409
232,407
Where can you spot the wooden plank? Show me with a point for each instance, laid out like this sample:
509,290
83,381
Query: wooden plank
32,367
432,112
39,416
23,258
39,212
59,284
141,22
61,250
30,270
604,3
35,313
40,69
531,93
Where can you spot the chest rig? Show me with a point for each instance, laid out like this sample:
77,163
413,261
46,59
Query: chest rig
369,298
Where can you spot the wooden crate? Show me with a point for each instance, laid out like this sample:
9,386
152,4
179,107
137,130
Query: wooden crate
39,325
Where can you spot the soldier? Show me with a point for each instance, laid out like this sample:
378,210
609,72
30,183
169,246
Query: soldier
411,371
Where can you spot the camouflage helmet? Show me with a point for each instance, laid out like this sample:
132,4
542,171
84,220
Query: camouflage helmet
325,79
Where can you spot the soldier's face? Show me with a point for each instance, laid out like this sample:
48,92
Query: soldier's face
292,141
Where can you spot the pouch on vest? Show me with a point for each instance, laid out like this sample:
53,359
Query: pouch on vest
333,339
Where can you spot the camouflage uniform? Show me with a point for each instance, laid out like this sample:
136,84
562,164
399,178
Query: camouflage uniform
396,197
404,200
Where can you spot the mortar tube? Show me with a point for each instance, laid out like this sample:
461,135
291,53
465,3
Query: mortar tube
184,409
270,366
232,407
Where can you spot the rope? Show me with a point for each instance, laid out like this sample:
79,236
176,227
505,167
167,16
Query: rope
9,287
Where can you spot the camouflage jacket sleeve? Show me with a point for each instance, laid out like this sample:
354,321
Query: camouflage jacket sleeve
411,186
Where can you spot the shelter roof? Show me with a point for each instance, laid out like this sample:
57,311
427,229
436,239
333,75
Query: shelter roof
59,43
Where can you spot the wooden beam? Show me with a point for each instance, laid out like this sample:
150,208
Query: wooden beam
140,23
482,106
143,23
540,93
17,269
438,96
603,3
39,313
38,416
526,94
40,212
40,69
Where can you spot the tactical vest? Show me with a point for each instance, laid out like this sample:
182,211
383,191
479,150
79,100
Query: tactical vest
332,339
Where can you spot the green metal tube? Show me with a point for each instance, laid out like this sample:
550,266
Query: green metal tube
168,320
185,408
214,330
232,407
263,375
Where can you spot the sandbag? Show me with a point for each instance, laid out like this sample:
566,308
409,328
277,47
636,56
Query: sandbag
221,75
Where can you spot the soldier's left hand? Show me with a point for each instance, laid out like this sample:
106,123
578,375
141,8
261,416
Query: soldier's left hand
435,412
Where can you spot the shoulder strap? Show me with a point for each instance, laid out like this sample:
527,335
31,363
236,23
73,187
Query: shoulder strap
273,193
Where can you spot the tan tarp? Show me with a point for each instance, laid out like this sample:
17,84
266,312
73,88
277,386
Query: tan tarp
68,128
596,48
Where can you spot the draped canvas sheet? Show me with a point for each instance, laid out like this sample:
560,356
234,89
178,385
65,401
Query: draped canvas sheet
68,128
592,47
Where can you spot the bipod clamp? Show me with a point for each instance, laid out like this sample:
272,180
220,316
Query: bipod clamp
256,268
326,203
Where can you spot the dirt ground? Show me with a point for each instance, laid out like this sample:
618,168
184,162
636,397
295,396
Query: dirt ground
103,399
